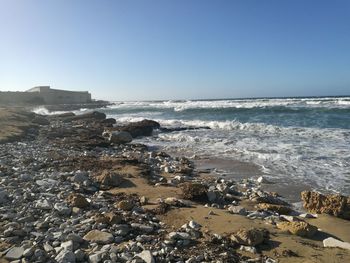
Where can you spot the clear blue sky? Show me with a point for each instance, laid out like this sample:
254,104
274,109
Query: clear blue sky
179,49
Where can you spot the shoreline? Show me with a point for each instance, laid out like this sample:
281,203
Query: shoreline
68,172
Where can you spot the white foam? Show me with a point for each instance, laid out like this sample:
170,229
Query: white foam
330,102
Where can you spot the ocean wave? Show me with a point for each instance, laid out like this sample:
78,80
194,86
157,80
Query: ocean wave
182,105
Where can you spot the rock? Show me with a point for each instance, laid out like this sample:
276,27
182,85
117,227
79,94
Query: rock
109,218
212,196
300,228
99,237
179,235
249,237
194,191
262,180
125,205
41,120
281,209
3,196
14,253
65,256
120,137
43,204
336,205
146,256
77,200
194,225
80,177
95,115
75,238
144,200
63,209
307,215
140,128
109,179
239,210
332,242
79,255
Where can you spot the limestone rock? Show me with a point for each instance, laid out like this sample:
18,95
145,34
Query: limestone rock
120,137
109,179
99,237
77,200
281,209
249,237
300,228
332,242
336,205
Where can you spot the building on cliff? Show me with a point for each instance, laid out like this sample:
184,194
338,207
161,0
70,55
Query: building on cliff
45,95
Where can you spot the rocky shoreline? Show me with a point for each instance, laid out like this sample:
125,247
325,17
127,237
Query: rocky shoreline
76,189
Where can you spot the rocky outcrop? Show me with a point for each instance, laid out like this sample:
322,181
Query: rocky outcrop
298,228
336,205
94,115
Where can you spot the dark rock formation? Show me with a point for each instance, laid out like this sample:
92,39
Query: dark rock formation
140,128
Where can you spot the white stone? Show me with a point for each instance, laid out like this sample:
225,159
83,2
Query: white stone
43,204
332,242
146,256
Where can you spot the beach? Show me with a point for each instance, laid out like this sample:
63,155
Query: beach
83,188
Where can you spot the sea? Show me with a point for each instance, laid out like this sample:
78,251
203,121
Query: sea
302,141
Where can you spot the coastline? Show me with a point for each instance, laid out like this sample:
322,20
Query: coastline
76,144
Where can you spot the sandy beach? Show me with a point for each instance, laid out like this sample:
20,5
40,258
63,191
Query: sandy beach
69,194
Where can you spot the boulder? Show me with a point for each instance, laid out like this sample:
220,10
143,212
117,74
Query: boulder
249,237
140,128
99,237
336,205
77,200
95,115
298,228
281,209
194,191
109,179
120,137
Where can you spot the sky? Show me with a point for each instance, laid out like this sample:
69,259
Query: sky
177,49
